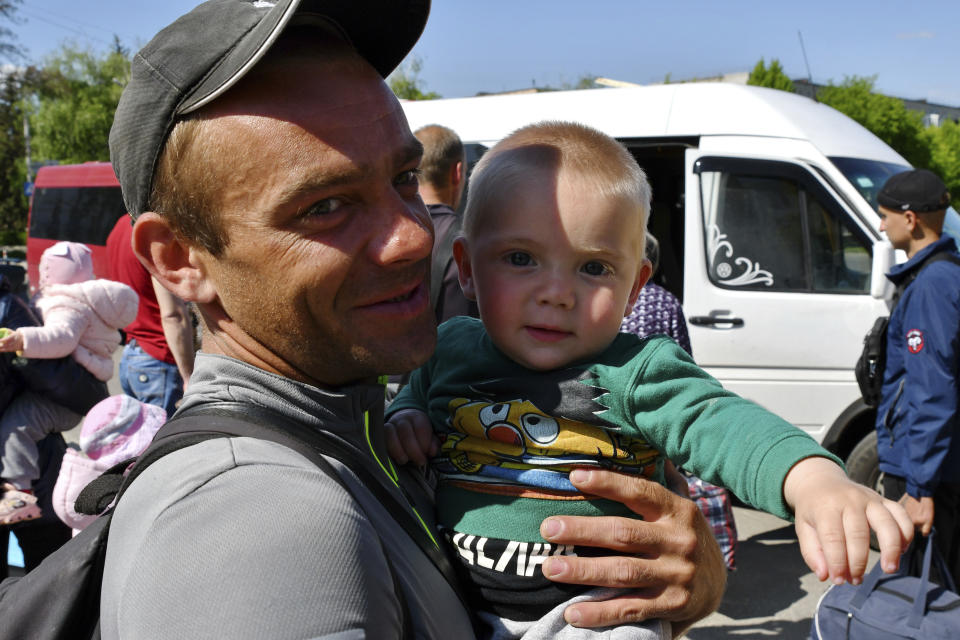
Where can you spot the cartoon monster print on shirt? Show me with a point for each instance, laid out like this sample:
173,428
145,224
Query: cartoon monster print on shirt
533,430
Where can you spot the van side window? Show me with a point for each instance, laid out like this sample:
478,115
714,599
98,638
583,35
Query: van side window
770,226
77,214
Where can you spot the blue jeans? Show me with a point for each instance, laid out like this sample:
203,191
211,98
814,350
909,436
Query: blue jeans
148,379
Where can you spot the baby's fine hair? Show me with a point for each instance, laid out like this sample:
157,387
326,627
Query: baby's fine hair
601,161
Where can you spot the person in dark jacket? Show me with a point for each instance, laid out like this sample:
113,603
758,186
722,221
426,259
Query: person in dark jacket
442,178
52,389
917,426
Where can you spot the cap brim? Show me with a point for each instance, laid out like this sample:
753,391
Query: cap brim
382,32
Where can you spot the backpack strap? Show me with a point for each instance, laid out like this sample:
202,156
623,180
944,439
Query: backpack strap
195,426
314,444
939,256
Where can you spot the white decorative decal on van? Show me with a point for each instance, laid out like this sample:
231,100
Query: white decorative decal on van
752,273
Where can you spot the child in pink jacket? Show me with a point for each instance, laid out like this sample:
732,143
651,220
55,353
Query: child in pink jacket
81,316
114,430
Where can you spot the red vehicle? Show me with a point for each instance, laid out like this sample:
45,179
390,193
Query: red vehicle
79,203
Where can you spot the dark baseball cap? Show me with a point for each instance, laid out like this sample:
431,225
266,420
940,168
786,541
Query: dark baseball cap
917,190
202,54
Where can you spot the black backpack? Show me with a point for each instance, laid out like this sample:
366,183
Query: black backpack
60,599
873,359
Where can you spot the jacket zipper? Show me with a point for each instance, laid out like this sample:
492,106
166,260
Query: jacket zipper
887,421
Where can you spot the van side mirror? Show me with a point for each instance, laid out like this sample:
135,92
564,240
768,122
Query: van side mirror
883,259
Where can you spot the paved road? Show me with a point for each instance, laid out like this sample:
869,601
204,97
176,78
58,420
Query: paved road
772,594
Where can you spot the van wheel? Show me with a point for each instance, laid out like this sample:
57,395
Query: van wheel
863,466
863,463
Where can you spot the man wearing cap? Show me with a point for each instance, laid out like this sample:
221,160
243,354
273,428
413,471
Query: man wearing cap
273,178
917,425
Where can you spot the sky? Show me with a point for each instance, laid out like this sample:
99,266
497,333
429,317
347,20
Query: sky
913,48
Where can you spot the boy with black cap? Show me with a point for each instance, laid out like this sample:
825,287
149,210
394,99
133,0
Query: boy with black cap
917,422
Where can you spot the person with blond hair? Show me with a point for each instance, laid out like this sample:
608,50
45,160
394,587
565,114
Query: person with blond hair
544,386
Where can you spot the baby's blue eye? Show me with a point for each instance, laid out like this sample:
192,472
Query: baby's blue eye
595,269
520,259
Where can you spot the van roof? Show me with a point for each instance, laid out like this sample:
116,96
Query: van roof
88,174
672,110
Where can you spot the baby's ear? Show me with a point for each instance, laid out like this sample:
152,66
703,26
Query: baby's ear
175,263
643,275
461,254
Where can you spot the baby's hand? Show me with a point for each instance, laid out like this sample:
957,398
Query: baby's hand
10,340
410,437
833,517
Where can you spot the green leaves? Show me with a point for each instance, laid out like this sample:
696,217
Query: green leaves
886,117
772,77
944,142
405,81
75,97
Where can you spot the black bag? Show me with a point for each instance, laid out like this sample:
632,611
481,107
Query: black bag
61,597
892,606
61,380
873,359
872,362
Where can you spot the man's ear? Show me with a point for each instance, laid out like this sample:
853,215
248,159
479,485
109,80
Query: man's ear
176,264
911,219
457,183
456,174
917,224
643,276
462,256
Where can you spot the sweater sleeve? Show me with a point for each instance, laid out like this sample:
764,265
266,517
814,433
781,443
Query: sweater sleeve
59,336
715,434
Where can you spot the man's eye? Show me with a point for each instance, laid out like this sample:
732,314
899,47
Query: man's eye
324,207
520,259
409,177
595,269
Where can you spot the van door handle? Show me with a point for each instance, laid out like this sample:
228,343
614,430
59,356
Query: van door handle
703,321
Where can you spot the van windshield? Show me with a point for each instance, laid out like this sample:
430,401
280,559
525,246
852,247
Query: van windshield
869,176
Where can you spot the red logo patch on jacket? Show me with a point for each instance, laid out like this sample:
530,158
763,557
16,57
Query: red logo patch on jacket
914,340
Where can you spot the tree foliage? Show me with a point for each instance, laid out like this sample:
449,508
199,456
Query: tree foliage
75,98
886,117
13,202
406,83
772,77
8,40
944,142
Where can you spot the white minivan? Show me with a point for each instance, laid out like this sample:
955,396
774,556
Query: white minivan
764,204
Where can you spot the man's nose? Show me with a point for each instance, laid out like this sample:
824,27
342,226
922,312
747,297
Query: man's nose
407,235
